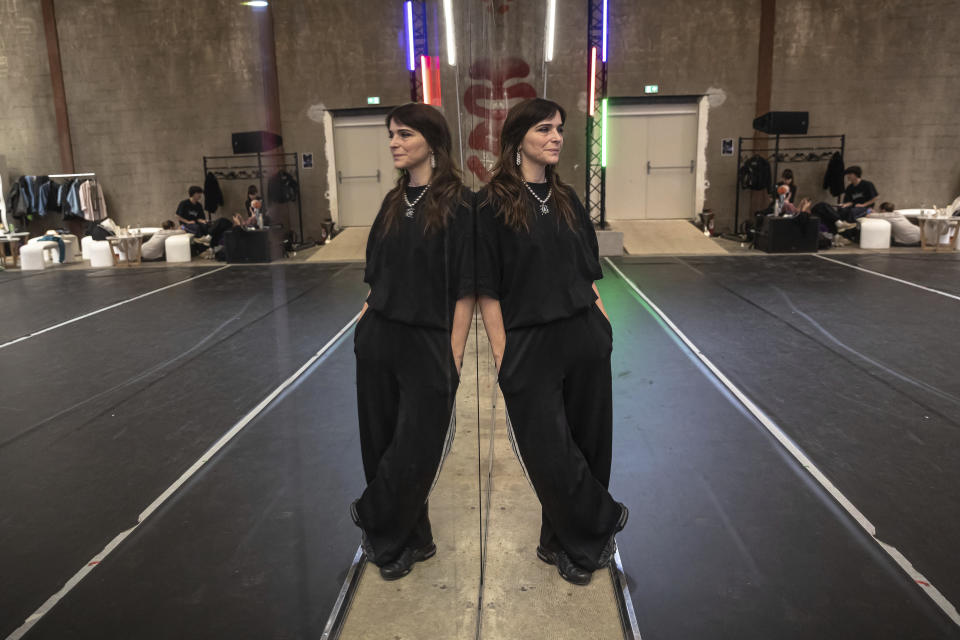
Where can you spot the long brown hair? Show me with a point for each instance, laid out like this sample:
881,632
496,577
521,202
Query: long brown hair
506,191
446,184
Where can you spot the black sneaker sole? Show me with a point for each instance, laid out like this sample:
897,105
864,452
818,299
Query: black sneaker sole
610,548
364,542
543,555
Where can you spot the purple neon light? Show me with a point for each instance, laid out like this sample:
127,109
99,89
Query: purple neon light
411,62
603,55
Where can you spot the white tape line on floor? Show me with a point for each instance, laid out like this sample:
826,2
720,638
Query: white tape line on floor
883,275
107,308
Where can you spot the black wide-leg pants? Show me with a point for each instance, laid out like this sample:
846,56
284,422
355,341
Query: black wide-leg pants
406,384
556,382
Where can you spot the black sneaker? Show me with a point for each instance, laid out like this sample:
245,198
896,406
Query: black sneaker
364,542
404,564
567,568
611,547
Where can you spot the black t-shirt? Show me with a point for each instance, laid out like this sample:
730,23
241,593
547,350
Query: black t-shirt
864,191
540,275
190,210
417,276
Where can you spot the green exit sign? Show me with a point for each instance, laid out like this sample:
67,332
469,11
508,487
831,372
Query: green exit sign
373,99
651,88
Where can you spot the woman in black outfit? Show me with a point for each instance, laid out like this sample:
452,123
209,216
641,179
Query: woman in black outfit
410,338
537,259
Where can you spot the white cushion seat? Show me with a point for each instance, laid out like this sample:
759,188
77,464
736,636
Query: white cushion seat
33,255
101,255
177,248
874,233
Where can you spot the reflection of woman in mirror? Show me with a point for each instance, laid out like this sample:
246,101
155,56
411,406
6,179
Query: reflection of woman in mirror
410,338
537,260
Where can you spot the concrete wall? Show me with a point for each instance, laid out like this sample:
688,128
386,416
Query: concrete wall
28,125
694,48
151,88
886,74
332,55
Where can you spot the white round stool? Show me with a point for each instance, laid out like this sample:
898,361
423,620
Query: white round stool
177,248
874,233
86,243
32,257
101,255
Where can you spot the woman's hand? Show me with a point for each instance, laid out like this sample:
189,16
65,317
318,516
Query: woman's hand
462,319
493,323
457,360
599,303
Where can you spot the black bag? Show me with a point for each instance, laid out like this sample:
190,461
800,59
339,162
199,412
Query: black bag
97,232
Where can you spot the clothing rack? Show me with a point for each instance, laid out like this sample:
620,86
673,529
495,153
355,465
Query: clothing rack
3,206
94,201
784,149
241,167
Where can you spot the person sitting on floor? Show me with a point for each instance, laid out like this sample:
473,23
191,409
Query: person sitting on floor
787,180
153,249
903,232
190,213
789,209
252,195
859,196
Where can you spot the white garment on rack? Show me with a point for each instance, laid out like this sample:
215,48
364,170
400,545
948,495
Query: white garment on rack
3,207
93,209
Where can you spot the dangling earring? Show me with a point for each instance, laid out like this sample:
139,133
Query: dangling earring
518,157
433,161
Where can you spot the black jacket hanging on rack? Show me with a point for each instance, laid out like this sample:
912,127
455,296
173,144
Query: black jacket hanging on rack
283,187
212,195
16,201
833,178
755,174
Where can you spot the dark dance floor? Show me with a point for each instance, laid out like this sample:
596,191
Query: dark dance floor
729,537
733,538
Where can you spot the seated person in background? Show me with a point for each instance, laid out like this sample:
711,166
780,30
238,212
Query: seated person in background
859,196
238,221
787,180
903,232
789,209
190,213
153,248
252,194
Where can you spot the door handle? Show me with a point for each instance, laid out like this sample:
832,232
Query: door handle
650,167
341,177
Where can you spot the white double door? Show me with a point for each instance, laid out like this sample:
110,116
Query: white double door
651,162
364,168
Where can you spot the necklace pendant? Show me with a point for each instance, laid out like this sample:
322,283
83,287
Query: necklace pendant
544,209
410,212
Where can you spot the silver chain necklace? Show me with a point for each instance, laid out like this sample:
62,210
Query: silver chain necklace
411,205
544,209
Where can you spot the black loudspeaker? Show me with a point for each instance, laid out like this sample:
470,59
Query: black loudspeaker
255,141
265,245
783,122
786,235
